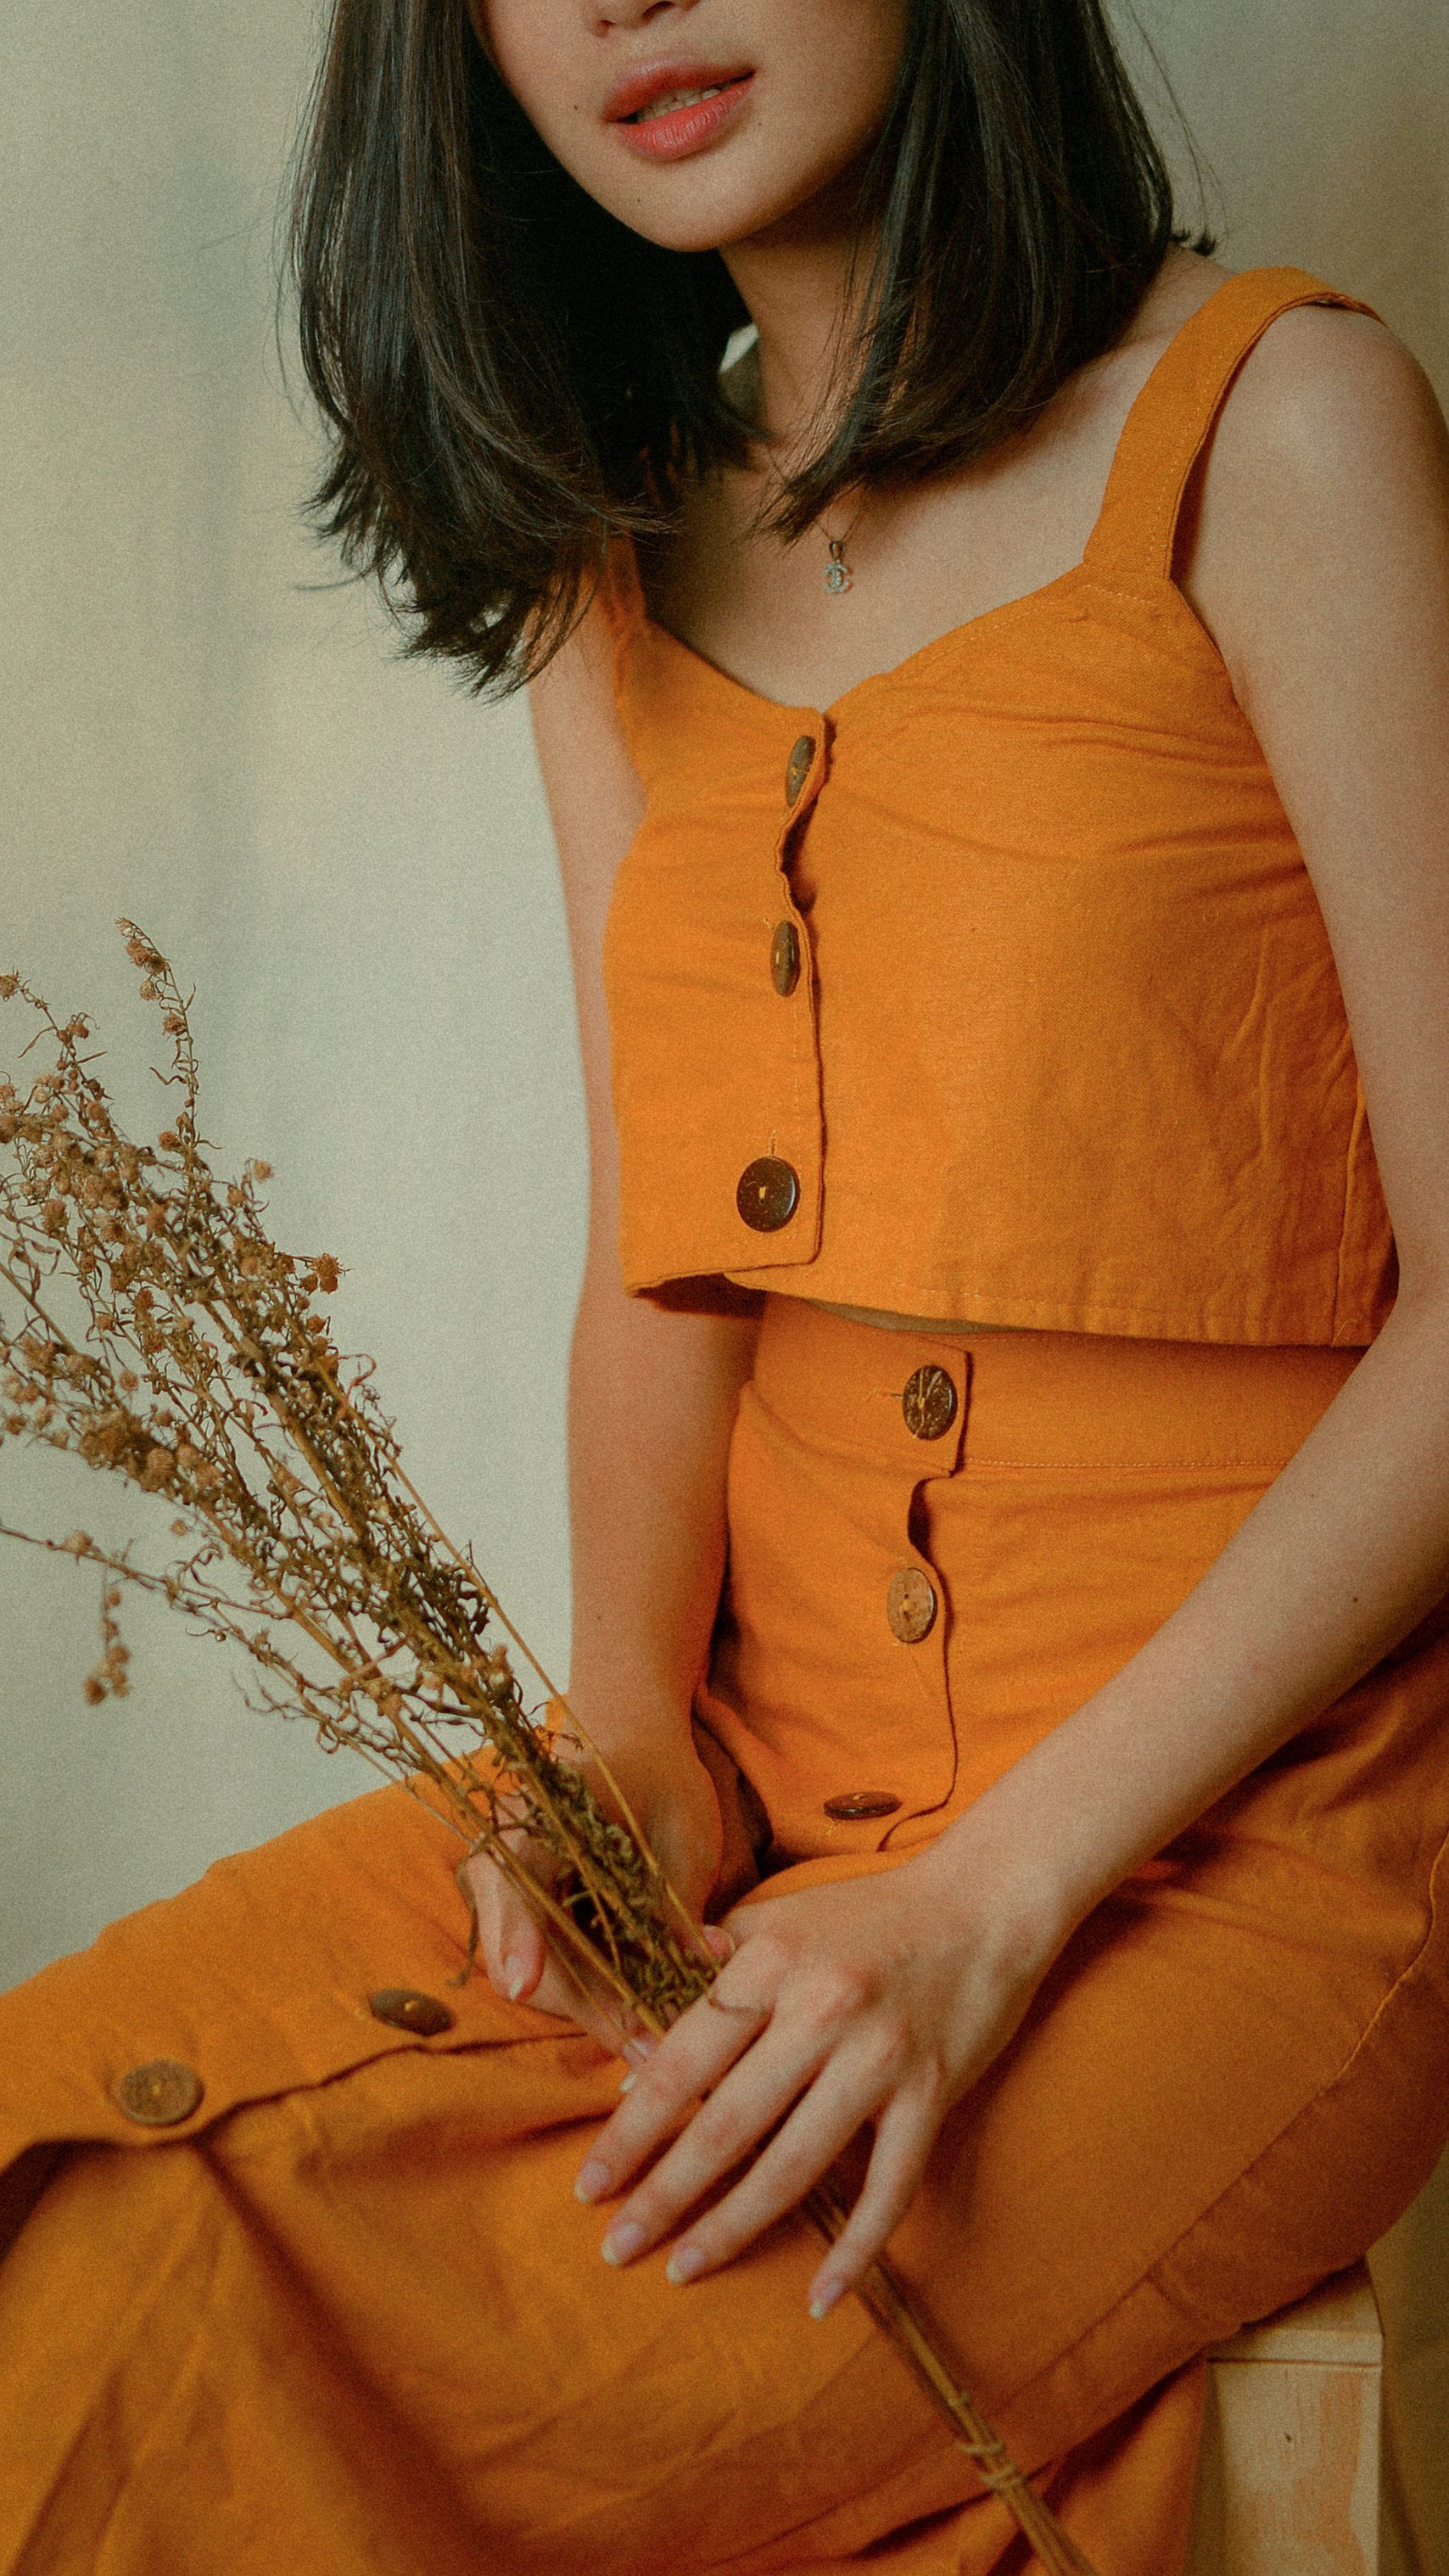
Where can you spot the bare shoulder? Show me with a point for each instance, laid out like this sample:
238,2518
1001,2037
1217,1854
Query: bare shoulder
1325,501
1330,405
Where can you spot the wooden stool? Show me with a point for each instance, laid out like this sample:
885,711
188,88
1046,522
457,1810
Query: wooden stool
1289,2480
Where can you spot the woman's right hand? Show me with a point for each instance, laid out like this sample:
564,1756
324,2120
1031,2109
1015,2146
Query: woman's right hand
674,1800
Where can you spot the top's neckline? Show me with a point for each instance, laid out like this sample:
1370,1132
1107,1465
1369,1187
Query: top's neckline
952,636
896,672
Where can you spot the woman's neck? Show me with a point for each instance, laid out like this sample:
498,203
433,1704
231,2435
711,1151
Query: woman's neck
795,279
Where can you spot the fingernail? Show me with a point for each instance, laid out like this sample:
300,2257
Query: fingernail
593,2180
513,1979
622,2243
638,2051
628,2083
823,2297
685,2264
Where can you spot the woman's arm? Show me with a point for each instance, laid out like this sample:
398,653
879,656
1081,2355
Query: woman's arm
1322,567
652,1395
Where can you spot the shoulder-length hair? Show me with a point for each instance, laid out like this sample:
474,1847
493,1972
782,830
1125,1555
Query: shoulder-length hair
511,379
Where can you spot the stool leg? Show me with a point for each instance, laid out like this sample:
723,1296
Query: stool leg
1289,2482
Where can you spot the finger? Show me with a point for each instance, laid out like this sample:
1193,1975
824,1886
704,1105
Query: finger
527,1963
905,2134
712,2143
702,2046
821,2126
560,1992
510,1935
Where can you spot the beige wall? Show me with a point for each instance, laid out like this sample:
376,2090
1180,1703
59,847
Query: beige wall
350,858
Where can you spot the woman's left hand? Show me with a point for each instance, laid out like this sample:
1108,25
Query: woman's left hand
880,2000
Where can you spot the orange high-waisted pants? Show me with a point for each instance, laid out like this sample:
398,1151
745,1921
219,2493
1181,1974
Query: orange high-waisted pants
347,2316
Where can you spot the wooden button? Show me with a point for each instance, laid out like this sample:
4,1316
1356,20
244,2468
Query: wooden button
159,2093
768,1194
797,767
403,2009
861,1805
928,1402
785,959
911,1605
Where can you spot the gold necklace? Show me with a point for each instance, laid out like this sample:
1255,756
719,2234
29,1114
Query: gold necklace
838,576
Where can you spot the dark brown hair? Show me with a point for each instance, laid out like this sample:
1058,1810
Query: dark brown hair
510,377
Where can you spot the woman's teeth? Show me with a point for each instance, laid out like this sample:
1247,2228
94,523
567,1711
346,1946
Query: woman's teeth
675,98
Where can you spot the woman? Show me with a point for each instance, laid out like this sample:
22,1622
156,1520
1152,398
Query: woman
1011,1475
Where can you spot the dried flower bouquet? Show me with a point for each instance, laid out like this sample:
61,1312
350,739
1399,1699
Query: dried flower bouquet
149,1325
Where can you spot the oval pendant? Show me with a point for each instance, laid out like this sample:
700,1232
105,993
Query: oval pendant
838,576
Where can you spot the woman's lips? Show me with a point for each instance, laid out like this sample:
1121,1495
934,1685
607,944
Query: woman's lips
677,120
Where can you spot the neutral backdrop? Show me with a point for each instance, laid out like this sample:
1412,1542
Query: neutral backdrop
350,859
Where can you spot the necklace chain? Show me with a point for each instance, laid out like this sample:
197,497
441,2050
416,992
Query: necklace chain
839,574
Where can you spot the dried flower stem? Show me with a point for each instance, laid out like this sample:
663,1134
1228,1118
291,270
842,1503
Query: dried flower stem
154,1329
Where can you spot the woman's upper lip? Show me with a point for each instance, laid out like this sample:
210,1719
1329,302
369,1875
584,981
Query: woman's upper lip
656,80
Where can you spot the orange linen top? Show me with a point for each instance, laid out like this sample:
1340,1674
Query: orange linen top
997,990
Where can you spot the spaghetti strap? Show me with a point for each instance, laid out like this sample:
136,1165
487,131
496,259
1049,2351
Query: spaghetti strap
1173,417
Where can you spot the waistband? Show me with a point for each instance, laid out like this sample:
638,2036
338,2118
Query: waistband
1036,1399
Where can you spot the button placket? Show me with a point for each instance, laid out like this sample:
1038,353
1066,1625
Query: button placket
932,1406
770,1192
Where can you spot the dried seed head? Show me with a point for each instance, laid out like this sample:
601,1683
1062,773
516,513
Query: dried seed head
9,987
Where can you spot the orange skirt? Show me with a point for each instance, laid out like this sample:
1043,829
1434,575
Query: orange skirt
346,2313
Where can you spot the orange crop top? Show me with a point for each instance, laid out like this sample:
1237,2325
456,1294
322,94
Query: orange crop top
998,989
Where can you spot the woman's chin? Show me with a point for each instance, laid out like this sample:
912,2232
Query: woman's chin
688,208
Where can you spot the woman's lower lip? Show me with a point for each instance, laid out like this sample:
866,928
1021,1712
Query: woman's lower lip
682,130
